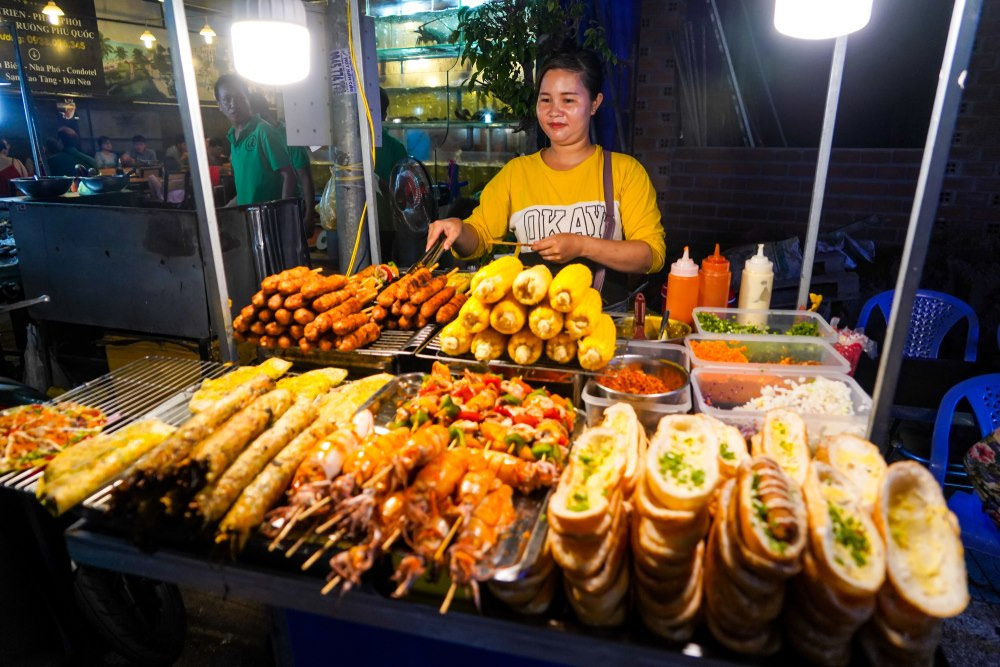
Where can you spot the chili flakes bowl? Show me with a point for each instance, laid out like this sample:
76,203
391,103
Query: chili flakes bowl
639,370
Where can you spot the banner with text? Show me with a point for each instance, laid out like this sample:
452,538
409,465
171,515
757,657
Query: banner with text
63,58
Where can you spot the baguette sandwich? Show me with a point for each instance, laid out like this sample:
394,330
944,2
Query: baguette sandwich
591,480
783,438
771,511
682,462
925,559
859,460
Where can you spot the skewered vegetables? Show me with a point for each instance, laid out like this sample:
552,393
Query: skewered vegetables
508,315
580,322
596,350
569,286
532,285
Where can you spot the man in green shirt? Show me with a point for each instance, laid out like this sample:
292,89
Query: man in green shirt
64,161
261,166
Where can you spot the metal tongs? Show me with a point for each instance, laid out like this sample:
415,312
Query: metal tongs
430,257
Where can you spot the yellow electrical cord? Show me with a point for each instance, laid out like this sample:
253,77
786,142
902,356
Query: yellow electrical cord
371,135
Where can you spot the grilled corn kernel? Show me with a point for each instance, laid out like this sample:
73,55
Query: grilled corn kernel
596,350
532,285
455,339
580,322
545,322
474,315
492,282
569,286
561,349
508,315
488,345
525,347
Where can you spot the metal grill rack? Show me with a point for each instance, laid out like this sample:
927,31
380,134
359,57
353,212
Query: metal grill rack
391,343
153,386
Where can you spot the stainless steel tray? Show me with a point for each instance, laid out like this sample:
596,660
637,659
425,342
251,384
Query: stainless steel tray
512,556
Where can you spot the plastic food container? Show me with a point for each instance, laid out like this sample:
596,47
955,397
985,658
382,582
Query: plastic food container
766,352
649,412
777,321
719,393
665,370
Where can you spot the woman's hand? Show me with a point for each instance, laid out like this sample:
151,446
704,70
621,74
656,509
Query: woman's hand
560,248
450,228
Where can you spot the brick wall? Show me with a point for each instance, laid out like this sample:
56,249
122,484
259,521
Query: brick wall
741,195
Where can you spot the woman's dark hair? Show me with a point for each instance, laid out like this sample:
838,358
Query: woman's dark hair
4,143
582,61
233,81
101,139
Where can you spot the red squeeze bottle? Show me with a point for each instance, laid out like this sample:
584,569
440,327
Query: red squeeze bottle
682,288
715,278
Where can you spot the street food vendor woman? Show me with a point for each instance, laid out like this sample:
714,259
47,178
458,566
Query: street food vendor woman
554,199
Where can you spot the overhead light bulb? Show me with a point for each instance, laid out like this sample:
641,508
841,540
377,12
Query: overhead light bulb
270,41
147,38
53,12
208,33
821,19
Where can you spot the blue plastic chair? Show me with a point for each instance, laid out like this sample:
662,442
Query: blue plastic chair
979,533
934,315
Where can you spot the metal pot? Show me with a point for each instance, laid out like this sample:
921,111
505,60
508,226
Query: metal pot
105,183
45,187
667,371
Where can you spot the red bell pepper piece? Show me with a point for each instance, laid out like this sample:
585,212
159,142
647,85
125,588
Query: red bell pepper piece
471,416
526,419
503,411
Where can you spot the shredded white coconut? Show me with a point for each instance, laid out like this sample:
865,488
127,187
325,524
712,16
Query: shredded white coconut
816,396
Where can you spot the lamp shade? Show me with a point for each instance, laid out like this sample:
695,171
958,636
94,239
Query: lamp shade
271,41
52,13
821,19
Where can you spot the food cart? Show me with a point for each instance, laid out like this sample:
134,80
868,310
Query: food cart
163,389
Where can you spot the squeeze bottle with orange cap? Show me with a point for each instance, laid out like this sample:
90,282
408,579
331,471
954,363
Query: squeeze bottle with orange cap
682,288
715,278
755,287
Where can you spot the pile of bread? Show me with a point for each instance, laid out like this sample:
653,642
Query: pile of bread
588,517
778,543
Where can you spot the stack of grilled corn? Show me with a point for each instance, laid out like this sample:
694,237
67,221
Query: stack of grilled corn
527,312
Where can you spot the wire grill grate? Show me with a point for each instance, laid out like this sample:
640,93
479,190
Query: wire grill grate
151,386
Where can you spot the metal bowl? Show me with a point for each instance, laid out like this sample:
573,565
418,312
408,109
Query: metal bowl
665,370
105,183
675,333
44,187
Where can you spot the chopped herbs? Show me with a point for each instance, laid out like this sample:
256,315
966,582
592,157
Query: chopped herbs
578,502
672,464
725,452
714,324
848,532
803,329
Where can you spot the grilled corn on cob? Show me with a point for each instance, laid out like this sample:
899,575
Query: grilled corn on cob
545,322
474,315
596,350
492,282
488,345
580,322
532,285
455,339
561,349
568,287
525,347
508,315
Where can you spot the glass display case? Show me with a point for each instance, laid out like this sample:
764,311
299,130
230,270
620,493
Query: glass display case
431,109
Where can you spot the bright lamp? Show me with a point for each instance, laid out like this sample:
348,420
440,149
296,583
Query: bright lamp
821,19
147,38
271,41
207,33
53,12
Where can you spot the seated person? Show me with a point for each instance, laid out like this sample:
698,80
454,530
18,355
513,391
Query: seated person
141,155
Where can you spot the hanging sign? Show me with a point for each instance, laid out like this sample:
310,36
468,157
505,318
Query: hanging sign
63,58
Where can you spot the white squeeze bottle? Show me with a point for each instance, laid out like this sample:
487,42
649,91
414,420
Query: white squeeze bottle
755,287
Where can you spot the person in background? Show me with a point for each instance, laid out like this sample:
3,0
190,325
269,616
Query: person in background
299,156
10,167
261,166
105,156
141,155
407,245
216,152
176,157
63,162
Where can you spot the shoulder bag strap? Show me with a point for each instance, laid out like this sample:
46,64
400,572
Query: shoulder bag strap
609,214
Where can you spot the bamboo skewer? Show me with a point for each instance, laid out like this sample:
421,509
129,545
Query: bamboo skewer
284,530
318,554
330,585
448,598
439,554
298,544
312,508
332,521
392,538
377,477
513,243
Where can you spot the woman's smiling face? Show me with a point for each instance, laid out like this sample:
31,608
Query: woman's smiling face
564,107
